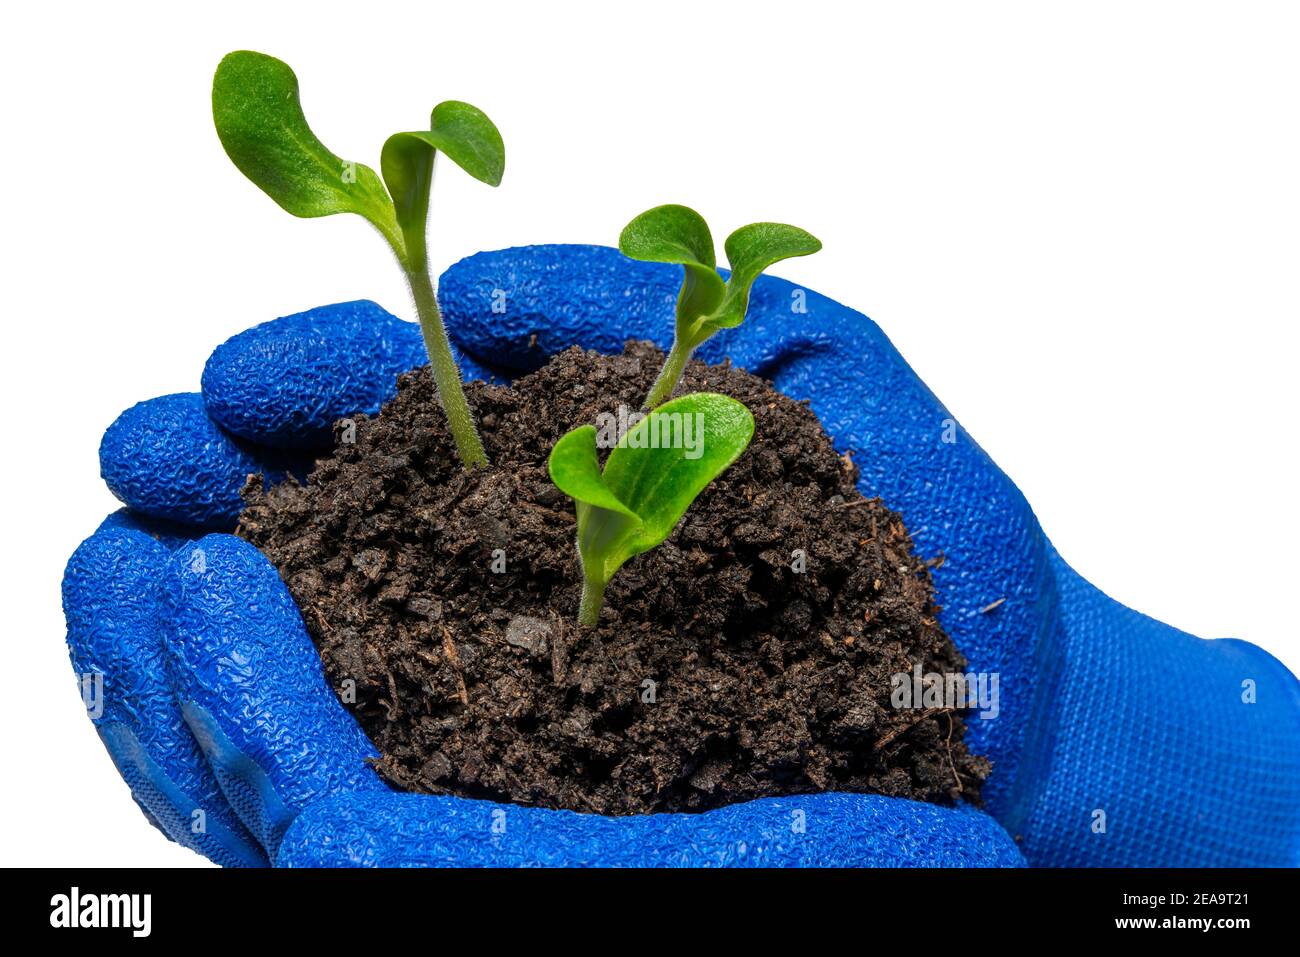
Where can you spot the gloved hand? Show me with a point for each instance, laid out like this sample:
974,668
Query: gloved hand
1101,756
1119,740
214,706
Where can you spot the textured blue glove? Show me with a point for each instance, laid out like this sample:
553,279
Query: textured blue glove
214,705
1118,740
220,720
271,396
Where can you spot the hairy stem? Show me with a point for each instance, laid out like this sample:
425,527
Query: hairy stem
674,365
593,599
445,374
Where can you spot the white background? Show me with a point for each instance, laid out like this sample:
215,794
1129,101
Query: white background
1079,222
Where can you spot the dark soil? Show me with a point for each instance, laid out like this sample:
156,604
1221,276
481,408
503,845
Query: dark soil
717,673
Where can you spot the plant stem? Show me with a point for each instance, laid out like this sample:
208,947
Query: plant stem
593,598
445,374
674,365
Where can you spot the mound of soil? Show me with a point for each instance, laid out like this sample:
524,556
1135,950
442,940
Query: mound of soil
724,667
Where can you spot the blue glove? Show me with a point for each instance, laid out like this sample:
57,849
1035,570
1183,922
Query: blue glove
1119,741
218,714
1128,781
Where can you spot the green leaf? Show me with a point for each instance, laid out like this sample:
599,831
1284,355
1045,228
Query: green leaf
260,121
678,234
467,137
575,470
605,524
750,250
669,234
704,433
651,478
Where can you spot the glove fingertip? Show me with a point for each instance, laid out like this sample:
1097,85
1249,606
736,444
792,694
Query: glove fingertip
166,459
522,305
284,383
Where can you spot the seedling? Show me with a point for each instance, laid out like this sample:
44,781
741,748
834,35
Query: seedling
678,234
262,126
649,481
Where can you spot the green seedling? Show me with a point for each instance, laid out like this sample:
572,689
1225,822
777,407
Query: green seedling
650,479
262,126
678,234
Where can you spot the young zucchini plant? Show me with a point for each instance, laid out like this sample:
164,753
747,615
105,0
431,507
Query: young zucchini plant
261,124
678,234
649,481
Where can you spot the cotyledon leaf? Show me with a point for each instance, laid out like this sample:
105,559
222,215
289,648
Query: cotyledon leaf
649,481
705,432
467,137
260,122
679,235
575,470
750,250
